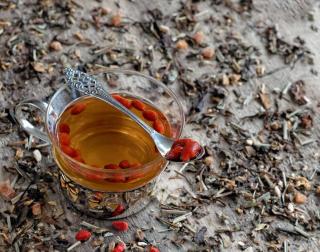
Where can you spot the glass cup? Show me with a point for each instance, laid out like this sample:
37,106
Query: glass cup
90,189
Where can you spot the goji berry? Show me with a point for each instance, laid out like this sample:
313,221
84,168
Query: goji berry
119,210
150,115
111,166
158,126
78,108
135,165
139,105
64,128
64,138
94,176
154,249
83,235
118,178
190,151
135,177
125,102
120,225
124,164
120,247
69,151
174,153
79,159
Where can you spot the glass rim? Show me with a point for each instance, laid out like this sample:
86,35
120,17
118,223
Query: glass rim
114,171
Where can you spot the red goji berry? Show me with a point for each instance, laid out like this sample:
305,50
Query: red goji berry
120,247
150,115
83,235
190,151
64,138
154,249
158,126
118,178
79,159
174,153
64,128
69,151
139,105
135,177
120,225
111,166
119,210
125,102
78,108
94,176
124,164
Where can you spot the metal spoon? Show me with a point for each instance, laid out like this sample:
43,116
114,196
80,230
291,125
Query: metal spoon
89,86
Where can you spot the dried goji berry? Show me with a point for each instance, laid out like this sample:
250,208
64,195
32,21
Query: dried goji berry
69,151
120,247
154,249
111,166
124,164
139,105
64,128
150,115
158,126
135,177
64,138
135,165
174,153
125,102
190,151
83,235
78,108
79,159
119,210
120,225
118,178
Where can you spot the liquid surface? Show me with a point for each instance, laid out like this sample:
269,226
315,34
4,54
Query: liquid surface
94,133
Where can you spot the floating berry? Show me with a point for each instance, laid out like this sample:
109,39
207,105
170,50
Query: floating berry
124,164
118,178
83,235
94,176
64,138
64,128
120,247
121,226
119,210
69,151
139,105
154,249
158,126
150,115
79,159
135,177
78,108
184,149
125,102
111,166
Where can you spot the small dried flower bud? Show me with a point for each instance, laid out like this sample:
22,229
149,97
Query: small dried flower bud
116,20
208,53
55,46
198,37
299,198
182,44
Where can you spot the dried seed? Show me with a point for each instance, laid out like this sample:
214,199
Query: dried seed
198,37
55,46
208,53
116,20
299,198
182,45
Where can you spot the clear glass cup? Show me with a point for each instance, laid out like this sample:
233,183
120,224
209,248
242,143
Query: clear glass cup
88,188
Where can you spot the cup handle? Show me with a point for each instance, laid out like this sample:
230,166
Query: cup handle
25,124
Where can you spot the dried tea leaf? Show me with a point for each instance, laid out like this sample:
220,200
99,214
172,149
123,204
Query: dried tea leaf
39,67
265,100
199,236
297,92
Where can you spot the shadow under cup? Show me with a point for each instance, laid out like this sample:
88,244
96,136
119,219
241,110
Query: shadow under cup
91,190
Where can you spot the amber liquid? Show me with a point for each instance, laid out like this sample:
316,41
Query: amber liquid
103,135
